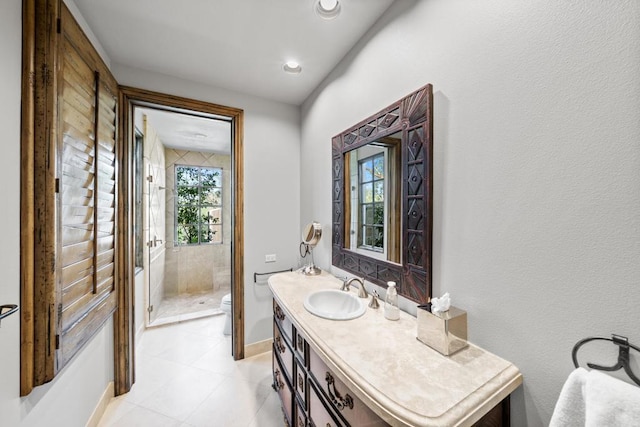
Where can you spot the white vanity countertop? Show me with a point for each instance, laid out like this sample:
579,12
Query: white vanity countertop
403,380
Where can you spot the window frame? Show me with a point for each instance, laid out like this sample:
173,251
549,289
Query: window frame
199,205
362,223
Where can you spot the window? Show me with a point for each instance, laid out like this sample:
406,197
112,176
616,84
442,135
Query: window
198,205
371,202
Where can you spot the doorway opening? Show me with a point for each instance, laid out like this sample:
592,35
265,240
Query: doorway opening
191,208
186,185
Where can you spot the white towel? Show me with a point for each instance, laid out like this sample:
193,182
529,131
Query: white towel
570,410
595,399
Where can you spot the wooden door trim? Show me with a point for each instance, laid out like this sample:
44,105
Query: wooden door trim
123,322
27,198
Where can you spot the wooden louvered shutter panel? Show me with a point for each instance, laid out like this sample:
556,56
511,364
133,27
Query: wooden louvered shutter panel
87,111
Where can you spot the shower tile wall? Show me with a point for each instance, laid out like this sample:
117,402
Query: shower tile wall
154,203
203,268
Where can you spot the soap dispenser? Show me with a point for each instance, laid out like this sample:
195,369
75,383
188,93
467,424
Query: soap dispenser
391,310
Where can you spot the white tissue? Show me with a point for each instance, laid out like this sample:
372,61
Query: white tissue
441,304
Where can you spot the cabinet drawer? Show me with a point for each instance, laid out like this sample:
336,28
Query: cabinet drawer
300,383
300,347
300,417
281,385
319,413
344,402
281,348
284,322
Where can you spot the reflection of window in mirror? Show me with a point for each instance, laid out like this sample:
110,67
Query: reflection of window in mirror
371,203
372,178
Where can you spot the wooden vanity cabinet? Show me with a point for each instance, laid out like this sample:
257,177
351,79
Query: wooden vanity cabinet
283,363
313,396
310,393
349,409
282,348
320,413
282,386
301,383
283,322
332,384
300,418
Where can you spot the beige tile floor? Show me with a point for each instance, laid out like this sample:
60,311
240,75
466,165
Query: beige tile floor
177,308
186,377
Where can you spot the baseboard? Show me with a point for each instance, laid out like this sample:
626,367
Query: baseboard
109,393
258,348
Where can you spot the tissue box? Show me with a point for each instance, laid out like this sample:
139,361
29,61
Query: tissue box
445,332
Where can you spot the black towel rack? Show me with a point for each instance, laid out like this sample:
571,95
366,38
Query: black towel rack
255,275
11,308
623,355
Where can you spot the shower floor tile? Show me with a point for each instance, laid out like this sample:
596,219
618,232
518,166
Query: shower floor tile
179,308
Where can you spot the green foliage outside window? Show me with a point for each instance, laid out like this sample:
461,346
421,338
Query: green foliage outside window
198,205
371,179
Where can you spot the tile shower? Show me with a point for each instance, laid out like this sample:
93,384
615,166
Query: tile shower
184,281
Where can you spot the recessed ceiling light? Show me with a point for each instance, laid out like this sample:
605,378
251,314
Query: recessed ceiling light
328,9
292,67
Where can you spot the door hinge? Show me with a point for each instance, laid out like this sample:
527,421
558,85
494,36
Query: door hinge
58,26
57,342
57,185
150,309
150,178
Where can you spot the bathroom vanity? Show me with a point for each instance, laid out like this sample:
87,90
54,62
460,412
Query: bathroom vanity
370,371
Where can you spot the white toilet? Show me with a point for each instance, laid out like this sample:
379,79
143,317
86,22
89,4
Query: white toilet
225,306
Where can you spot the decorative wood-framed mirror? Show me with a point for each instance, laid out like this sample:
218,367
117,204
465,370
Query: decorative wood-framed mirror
382,189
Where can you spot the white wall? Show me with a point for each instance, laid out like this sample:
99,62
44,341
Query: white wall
271,183
537,183
10,72
271,226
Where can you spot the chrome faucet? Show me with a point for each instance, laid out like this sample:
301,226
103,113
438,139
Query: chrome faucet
362,291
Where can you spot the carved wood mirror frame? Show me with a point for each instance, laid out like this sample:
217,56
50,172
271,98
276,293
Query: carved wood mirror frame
413,116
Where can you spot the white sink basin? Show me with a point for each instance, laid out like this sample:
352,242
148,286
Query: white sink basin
335,304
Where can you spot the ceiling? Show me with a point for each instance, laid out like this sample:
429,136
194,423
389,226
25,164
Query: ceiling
240,45
186,131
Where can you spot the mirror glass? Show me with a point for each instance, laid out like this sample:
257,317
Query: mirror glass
311,234
382,196
372,176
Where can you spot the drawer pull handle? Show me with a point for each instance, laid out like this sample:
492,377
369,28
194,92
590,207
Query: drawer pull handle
300,344
300,382
277,381
279,345
339,402
279,313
